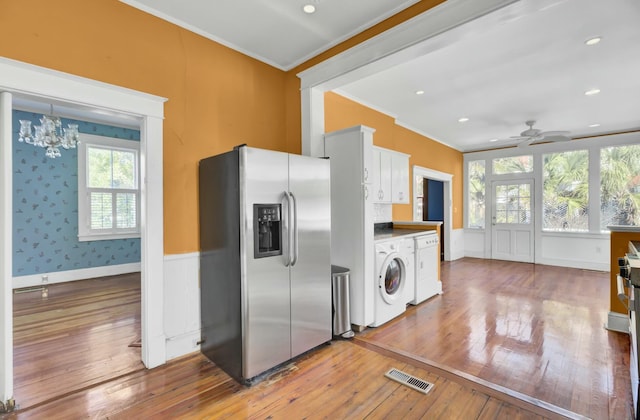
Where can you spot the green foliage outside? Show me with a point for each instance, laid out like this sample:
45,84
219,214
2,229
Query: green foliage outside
565,194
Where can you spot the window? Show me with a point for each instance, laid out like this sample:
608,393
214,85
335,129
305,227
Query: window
620,186
565,195
108,189
513,203
476,189
513,165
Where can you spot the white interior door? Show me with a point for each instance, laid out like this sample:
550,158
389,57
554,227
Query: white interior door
512,220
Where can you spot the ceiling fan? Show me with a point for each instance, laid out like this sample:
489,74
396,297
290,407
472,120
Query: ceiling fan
533,135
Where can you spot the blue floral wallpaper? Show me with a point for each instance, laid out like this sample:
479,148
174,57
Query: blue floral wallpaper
45,208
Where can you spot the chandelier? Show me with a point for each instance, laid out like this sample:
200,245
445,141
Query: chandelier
49,134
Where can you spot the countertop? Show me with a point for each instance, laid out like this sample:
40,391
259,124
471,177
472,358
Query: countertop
617,228
391,233
418,223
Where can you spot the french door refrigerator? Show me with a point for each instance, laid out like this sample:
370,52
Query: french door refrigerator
265,269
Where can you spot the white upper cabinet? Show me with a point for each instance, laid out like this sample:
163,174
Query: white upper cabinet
390,182
400,178
382,176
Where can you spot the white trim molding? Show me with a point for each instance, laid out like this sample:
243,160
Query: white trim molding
6,249
38,84
44,279
447,226
416,37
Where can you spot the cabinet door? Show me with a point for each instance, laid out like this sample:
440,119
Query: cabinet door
400,178
382,176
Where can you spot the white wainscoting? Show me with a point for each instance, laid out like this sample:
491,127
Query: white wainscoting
182,303
474,244
73,275
590,252
457,247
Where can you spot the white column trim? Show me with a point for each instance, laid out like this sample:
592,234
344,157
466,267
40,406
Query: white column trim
312,100
6,257
152,250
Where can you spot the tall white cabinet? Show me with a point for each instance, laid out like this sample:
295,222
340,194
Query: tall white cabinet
352,189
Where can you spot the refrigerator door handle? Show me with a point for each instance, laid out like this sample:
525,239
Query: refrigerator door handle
294,242
287,259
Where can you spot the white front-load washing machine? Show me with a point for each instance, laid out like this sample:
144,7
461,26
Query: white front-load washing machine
391,277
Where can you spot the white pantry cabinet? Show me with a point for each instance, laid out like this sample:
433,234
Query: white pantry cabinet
350,153
391,176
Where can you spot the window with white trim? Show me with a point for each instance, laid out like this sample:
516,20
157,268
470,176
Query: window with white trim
108,188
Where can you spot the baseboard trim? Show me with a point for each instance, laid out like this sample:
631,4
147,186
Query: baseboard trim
183,344
587,265
617,322
73,275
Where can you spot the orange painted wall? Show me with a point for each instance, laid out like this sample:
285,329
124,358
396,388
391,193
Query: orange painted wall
217,97
341,112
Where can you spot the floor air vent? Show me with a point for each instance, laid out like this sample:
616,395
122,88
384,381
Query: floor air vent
409,380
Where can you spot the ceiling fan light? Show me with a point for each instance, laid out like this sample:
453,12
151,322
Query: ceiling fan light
309,8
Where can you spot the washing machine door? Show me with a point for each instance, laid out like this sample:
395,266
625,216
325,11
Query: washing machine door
391,278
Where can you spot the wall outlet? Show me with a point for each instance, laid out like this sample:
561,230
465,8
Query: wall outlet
45,279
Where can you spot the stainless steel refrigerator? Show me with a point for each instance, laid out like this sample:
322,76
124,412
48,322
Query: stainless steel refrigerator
265,269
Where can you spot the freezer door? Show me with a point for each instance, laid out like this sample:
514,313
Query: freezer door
309,183
265,280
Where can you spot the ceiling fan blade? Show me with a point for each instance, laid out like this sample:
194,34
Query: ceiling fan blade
526,143
557,138
554,133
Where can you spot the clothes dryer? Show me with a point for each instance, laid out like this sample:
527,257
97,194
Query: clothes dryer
392,274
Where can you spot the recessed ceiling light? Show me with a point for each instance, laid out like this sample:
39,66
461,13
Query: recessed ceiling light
463,119
493,140
594,125
309,8
592,92
593,41
419,92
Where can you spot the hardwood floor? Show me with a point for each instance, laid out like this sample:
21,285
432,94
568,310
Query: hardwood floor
76,337
537,330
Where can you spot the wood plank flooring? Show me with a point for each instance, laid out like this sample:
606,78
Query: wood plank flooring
534,329
75,337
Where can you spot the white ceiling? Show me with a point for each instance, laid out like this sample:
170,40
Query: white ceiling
524,61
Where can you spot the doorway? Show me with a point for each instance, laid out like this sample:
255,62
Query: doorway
512,225
433,206
442,193
93,97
